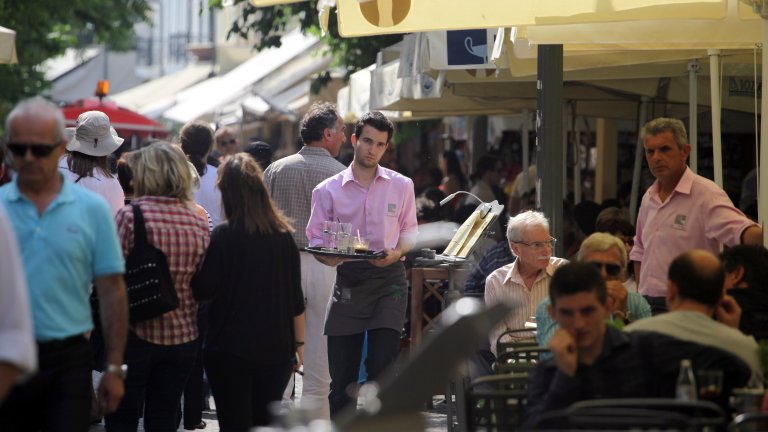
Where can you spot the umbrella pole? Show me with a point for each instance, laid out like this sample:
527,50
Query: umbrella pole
762,202
638,161
693,115
717,139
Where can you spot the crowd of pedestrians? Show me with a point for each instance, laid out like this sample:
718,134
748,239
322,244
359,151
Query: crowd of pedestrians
254,306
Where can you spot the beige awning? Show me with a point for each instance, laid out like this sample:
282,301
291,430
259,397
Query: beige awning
374,17
7,46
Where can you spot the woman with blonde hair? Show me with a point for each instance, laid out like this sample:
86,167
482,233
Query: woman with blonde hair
160,351
256,315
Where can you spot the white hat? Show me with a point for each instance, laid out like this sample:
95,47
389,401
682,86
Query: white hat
93,135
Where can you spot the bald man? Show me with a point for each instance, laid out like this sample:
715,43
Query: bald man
694,296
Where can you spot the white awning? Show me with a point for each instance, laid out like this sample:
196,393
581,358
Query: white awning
204,99
7,46
153,97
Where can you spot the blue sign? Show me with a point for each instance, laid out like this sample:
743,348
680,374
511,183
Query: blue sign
467,47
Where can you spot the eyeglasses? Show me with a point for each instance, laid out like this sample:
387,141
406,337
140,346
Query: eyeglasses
539,245
610,268
38,150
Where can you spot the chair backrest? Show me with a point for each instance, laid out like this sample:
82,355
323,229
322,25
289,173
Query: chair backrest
748,422
528,354
613,418
524,338
702,413
496,403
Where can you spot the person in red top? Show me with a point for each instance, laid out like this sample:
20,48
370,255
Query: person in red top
160,351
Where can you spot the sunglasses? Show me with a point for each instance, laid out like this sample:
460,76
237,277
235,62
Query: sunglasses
228,142
38,150
610,268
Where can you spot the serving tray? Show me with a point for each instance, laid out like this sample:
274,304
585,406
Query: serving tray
319,250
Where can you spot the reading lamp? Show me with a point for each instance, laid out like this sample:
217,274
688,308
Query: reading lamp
486,206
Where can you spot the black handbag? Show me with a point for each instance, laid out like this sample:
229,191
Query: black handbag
147,278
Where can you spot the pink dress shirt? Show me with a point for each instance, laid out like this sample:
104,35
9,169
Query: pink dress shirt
384,212
697,215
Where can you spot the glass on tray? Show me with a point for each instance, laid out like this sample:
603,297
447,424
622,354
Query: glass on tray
361,244
344,238
330,233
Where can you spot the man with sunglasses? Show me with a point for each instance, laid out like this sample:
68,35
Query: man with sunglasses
607,254
227,143
68,240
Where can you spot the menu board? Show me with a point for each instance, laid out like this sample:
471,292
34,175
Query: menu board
466,237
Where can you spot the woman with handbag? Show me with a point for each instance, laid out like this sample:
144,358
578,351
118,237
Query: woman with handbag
256,314
162,347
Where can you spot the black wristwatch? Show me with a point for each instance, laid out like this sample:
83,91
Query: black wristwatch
120,370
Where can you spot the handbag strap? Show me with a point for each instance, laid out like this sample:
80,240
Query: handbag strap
139,231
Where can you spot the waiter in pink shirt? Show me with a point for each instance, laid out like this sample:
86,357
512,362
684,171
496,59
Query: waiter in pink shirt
679,212
369,295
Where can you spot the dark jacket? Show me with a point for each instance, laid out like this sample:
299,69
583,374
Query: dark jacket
632,365
253,283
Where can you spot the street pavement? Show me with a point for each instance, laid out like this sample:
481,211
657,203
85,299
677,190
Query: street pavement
435,419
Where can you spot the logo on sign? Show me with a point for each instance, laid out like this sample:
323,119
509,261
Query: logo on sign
467,47
742,86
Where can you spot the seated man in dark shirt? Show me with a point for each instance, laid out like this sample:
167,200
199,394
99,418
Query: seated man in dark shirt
746,279
496,257
591,360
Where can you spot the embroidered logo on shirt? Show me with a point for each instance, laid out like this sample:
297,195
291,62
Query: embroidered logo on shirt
391,209
72,229
679,222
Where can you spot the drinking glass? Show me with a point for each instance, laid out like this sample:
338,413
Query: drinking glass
361,244
710,384
330,231
344,239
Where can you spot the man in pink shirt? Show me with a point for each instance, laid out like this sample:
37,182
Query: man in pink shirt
679,212
369,295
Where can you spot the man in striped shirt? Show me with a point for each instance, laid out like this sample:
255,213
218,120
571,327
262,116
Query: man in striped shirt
524,283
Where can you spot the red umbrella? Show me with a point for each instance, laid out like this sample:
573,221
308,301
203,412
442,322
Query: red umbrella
127,123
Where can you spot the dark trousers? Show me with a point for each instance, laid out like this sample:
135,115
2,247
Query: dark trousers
658,304
194,393
344,354
156,378
242,390
58,397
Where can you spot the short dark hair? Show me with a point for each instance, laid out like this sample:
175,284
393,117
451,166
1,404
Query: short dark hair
321,116
615,226
196,140
574,278
754,260
376,120
702,285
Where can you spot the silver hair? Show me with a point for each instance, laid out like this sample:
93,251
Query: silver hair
602,242
517,225
36,104
664,124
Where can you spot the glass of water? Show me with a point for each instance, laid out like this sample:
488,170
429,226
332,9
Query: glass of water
330,233
344,238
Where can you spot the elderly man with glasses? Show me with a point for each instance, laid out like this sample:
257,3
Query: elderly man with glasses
609,256
524,283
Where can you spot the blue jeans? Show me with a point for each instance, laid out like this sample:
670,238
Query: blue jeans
344,353
58,396
156,378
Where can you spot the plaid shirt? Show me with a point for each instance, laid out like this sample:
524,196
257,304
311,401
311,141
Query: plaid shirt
183,236
291,180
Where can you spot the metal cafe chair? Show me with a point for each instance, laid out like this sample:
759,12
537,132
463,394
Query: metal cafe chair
528,354
614,418
496,403
503,346
664,412
749,422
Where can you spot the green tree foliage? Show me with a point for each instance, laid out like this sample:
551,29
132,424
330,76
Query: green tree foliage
268,23
46,28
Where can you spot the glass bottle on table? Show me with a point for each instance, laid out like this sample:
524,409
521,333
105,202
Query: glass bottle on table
686,383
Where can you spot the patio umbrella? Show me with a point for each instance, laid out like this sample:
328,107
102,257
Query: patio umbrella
375,17
7,46
127,123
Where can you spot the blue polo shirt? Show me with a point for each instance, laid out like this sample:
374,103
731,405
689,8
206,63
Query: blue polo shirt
63,249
